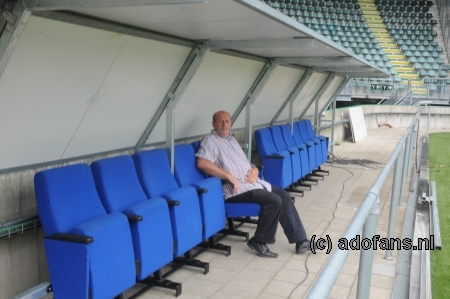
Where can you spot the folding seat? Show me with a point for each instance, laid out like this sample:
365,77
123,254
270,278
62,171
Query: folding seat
426,66
442,74
277,164
89,252
440,61
305,128
155,176
120,192
431,60
296,160
412,60
314,149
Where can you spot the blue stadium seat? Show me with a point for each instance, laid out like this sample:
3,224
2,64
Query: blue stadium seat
209,189
120,191
277,164
306,124
155,176
89,252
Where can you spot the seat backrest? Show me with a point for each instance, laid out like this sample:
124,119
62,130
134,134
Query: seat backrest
66,197
288,138
264,142
186,172
153,170
308,126
277,137
117,183
196,145
299,134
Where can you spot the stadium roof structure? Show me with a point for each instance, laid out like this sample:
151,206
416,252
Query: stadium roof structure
243,26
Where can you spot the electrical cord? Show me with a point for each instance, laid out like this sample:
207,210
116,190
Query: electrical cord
340,161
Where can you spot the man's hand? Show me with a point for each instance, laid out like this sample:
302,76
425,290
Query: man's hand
252,175
233,181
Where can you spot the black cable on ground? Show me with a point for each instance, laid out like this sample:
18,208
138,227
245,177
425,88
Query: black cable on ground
335,207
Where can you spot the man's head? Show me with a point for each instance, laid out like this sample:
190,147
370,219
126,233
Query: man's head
222,123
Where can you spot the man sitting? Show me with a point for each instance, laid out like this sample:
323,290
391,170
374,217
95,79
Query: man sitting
220,155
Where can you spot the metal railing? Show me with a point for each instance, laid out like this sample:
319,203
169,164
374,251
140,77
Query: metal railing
366,219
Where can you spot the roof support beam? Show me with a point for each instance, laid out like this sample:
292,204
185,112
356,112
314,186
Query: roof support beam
319,93
42,5
345,69
16,18
262,43
336,93
316,61
175,92
251,96
293,95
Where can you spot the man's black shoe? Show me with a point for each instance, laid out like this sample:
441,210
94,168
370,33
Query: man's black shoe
261,248
302,246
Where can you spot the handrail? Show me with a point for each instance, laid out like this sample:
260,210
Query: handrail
386,98
365,217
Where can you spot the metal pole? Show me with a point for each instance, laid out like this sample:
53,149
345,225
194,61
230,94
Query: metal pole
405,169
333,123
366,255
428,124
394,202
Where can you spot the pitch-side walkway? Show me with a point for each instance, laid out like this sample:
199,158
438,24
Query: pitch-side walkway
326,210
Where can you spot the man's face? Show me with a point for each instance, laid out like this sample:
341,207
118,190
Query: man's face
222,124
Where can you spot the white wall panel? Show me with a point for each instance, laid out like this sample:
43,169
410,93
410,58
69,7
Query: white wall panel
220,83
326,96
308,93
275,93
130,95
45,89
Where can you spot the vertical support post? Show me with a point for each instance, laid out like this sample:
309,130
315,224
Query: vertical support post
366,256
428,123
170,140
291,115
316,116
319,93
333,122
394,202
405,168
248,129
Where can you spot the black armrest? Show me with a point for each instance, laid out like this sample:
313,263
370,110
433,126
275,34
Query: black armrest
72,238
292,153
308,145
171,202
224,181
201,190
274,157
260,167
134,218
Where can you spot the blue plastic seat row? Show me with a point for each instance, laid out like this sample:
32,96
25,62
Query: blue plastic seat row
124,218
290,155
